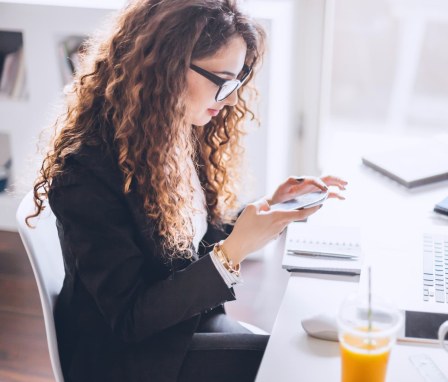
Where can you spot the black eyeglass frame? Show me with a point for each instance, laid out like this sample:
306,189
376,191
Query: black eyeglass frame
218,81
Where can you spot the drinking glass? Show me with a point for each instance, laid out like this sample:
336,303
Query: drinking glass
366,333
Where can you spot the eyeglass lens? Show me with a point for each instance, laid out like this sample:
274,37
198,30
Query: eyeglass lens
226,89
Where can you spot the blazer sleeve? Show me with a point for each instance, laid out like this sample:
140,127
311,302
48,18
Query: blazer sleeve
100,236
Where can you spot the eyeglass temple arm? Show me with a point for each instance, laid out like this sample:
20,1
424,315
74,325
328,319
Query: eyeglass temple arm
210,76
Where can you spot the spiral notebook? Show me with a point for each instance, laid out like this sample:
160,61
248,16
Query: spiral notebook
322,249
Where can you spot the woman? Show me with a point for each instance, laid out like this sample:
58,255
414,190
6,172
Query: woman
141,177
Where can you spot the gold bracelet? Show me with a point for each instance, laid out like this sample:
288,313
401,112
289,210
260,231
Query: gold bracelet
225,261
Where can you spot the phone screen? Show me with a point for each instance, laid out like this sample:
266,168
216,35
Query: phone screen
423,325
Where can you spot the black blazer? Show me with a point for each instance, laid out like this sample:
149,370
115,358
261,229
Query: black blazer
124,314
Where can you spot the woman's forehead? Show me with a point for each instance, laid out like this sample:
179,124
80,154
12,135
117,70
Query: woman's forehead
230,57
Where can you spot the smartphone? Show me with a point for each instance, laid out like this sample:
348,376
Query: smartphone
421,326
442,207
309,200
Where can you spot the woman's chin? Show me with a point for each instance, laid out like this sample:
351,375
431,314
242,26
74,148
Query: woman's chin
201,121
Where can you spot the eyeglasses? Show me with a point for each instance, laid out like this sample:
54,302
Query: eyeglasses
226,87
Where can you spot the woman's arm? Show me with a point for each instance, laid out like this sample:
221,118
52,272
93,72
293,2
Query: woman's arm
101,236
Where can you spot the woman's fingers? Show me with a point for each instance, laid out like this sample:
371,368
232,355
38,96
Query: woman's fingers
321,183
257,225
336,195
296,179
316,182
330,180
287,217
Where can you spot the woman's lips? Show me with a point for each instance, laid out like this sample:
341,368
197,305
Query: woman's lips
213,112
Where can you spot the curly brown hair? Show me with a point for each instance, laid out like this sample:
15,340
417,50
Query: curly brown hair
129,94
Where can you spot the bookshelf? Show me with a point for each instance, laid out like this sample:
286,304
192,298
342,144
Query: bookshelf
38,30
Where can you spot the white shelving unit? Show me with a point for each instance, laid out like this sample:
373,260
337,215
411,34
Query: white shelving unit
45,23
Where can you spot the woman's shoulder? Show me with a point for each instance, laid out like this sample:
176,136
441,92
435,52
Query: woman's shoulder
89,163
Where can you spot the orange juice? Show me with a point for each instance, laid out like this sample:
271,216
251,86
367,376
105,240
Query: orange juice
363,359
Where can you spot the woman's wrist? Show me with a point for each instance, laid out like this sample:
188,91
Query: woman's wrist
233,250
226,261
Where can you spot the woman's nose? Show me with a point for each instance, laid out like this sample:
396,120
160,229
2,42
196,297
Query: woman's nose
232,99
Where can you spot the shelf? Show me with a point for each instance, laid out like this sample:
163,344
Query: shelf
7,103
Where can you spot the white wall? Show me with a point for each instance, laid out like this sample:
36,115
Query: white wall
268,147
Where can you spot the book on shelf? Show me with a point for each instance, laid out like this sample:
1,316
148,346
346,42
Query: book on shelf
322,249
19,89
13,75
5,161
70,50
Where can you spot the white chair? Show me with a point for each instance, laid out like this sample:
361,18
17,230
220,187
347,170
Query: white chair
44,251
254,329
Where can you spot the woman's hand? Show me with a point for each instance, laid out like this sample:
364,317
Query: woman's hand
256,226
295,186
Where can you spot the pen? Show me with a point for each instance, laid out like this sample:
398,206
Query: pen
323,254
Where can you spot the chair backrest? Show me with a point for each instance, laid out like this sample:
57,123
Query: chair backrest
44,251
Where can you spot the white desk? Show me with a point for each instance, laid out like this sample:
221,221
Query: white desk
291,355
390,217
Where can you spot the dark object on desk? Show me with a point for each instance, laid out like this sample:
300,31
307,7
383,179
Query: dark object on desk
413,165
422,325
442,207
